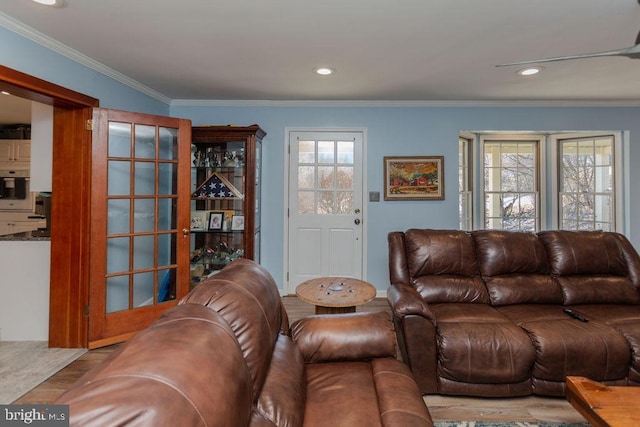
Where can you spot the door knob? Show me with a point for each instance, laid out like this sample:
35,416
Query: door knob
357,221
185,231
357,211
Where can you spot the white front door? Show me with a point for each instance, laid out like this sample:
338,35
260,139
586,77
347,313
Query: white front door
325,223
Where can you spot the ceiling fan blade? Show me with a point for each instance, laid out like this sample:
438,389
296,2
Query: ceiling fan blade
630,52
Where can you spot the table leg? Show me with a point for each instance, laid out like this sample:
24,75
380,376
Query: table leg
334,310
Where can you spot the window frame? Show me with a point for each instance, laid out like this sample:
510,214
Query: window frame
540,168
617,164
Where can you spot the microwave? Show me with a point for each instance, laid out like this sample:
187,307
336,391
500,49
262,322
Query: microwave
15,194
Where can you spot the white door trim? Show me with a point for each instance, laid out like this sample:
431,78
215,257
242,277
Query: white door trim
287,288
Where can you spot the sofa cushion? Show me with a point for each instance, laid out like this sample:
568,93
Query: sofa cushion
590,267
283,397
626,320
484,352
571,347
515,268
332,390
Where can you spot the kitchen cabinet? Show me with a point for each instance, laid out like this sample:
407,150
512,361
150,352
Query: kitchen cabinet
16,222
225,197
15,152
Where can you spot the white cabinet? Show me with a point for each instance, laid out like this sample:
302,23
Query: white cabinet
17,222
15,152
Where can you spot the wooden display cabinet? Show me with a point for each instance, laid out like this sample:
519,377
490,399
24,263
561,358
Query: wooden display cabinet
225,197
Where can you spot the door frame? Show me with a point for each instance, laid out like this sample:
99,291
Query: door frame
288,289
71,213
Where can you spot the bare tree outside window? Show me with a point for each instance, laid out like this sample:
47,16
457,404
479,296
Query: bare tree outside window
511,185
586,184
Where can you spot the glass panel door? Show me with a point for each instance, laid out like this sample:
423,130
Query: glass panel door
139,238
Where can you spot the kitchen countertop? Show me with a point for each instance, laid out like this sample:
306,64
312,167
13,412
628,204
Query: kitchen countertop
35,235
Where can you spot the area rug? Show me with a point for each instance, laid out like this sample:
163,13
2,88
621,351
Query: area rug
507,424
26,364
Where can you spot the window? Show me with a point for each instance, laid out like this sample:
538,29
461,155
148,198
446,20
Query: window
586,183
523,188
465,202
511,184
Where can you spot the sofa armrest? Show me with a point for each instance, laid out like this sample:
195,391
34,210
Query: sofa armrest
339,337
415,327
405,300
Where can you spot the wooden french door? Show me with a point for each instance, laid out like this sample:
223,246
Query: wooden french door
139,260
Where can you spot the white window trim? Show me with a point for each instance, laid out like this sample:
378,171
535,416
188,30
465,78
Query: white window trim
618,168
478,200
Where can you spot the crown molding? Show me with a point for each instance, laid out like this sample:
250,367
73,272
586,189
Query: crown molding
64,50
403,104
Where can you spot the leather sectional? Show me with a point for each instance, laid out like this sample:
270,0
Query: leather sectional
226,356
482,313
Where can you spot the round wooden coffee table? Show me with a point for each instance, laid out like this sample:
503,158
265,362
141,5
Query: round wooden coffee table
333,295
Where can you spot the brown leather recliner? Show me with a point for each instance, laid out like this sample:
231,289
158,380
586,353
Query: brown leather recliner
225,356
483,313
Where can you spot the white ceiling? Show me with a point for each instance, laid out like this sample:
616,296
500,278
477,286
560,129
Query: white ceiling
402,50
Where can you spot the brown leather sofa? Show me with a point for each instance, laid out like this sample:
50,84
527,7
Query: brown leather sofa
482,313
225,356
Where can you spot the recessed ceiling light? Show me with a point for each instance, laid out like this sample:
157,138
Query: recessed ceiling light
53,3
4,92
324,71
531,71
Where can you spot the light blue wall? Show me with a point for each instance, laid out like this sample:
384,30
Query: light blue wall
404,131
31,58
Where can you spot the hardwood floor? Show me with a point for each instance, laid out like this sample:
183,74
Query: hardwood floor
442,408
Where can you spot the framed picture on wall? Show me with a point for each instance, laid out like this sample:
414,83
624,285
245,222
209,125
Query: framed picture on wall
414,178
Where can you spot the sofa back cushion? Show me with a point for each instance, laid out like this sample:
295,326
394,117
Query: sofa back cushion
591,267
442,266
515,268
185,369
246,296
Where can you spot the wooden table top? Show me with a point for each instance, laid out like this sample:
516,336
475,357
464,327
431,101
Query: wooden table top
335,291
604,405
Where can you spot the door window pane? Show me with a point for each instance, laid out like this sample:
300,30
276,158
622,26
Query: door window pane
119,144
306,152
166,251
117,254
143,289
306,202
145,142
167,178
345,152
306,176
326,177
345,177
167,143
166,214
326,151
119,178
145,178
118,216
143,252
144,215
117,293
